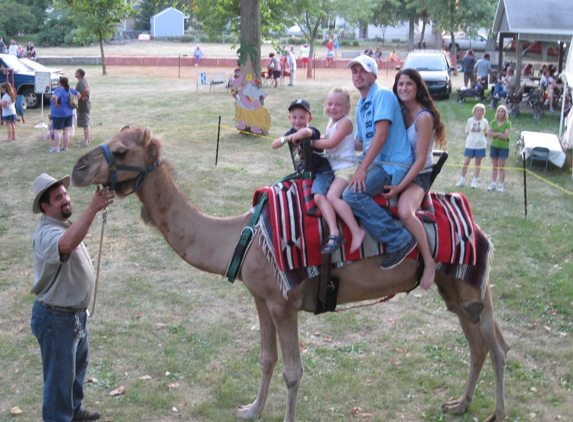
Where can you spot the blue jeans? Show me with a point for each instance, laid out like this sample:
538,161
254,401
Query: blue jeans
498,89
374,218
64,361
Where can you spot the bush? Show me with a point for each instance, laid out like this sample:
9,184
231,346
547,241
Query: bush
186,38
296,41
58,30
355,43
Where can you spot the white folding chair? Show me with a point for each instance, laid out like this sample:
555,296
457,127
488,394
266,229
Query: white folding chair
219,78
203,80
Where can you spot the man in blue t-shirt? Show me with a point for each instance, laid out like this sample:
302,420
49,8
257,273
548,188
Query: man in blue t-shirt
387,157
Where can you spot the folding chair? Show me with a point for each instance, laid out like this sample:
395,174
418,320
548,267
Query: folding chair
203,80
219,78
539,154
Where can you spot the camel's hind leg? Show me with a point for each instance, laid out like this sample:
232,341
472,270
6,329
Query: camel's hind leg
482,338
268,358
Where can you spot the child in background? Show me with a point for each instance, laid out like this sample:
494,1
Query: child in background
9,110
339,143
476,129
50,132
499,151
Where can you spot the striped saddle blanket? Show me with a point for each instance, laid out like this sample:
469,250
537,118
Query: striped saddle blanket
293,237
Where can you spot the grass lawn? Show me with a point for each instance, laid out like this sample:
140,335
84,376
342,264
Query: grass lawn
196,336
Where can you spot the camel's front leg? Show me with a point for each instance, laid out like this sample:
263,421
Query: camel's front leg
267,360
286,322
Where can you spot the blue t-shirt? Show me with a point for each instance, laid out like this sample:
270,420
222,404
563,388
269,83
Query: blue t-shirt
396,154
64,100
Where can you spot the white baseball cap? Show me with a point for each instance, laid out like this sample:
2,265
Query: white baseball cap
368,63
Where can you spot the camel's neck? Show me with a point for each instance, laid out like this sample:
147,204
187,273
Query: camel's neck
205,242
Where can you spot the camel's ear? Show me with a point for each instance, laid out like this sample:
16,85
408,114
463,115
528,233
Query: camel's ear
124,128
147,136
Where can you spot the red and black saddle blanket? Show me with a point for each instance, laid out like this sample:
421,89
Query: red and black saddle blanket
292,233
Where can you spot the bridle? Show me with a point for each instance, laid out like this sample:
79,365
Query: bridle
113,167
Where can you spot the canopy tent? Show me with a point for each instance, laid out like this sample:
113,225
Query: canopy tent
533,20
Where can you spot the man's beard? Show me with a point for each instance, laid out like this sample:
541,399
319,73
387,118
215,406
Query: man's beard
66,214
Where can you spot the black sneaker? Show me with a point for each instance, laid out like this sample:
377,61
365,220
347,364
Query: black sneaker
87,415
395,258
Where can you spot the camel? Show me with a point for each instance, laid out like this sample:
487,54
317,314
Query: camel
208,243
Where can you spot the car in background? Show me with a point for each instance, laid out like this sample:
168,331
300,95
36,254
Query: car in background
435,68
478,42
24,79
38,67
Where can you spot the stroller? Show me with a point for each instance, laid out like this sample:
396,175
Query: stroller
532,99
470,93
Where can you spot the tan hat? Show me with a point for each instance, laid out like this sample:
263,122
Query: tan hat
42,183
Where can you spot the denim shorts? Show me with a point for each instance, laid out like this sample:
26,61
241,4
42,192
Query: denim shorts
496,152
423,180
471,152
322,182
60,123
10,118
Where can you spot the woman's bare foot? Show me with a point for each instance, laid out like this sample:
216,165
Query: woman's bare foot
429,274
357,239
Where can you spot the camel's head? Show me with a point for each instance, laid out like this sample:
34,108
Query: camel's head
133,147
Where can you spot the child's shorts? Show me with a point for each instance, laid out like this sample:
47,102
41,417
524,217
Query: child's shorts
423,180
495,152
322,182
472,152
10,118
346,173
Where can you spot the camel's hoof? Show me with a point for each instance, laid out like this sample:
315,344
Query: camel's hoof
247,412
457,407
474,310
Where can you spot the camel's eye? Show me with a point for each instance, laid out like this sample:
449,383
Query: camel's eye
119,155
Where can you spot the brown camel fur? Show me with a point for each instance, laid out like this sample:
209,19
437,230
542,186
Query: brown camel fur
208,243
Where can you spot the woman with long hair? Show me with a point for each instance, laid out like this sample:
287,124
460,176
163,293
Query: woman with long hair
62,114
424,128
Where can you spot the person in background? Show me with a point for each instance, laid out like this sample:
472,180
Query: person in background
468,62
275,68
528,70
9,110
198,55
84,105
507,87
378,56
31,51
291,61
329,52
64,285
304,54
13,49
3,48
476,129
336,47
499,131
483,68
20,52
62,114
393,57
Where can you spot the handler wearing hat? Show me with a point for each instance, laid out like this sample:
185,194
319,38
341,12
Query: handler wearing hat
64,283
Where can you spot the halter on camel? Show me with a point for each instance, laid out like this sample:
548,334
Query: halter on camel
143,171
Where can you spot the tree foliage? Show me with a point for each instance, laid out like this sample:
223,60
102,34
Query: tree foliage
59,30
15,18
99,18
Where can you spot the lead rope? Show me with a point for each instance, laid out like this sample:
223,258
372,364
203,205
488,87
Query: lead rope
103,221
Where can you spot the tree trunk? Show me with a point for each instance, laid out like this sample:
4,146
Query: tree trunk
103,69
251,30
411,35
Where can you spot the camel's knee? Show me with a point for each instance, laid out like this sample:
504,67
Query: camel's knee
473,310
292,378
267,362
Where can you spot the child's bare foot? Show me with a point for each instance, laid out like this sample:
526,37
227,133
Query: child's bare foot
428,276
357,239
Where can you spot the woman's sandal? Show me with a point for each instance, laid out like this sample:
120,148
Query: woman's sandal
334,242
